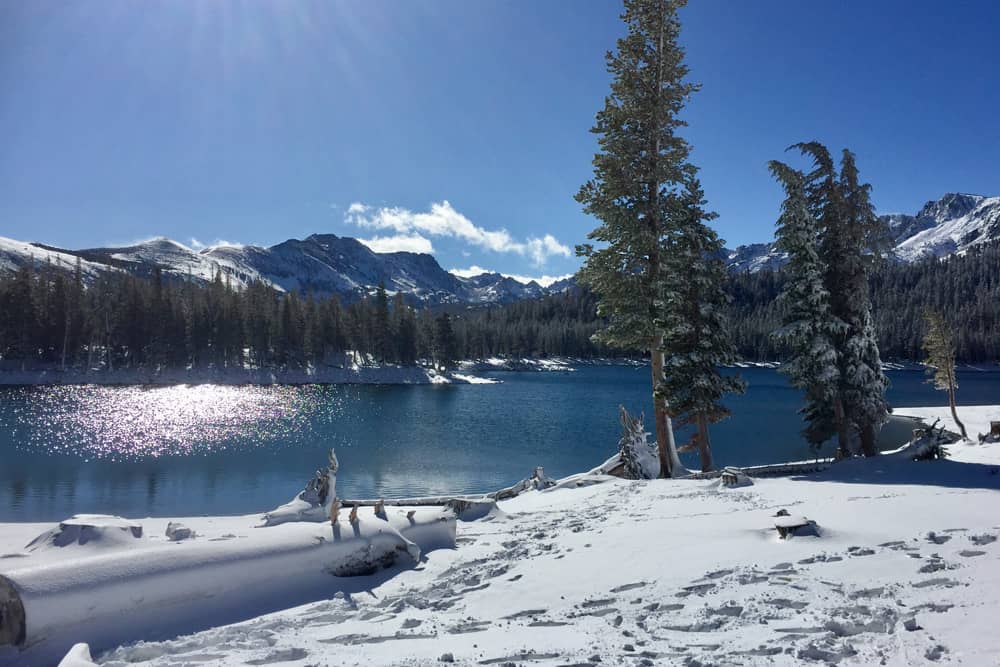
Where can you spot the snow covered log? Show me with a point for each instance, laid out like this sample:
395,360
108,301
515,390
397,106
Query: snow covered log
108,593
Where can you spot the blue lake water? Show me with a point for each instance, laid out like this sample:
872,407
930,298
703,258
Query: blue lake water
209,449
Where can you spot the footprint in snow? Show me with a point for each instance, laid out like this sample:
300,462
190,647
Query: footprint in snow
937,539
628,587
523,614
937,581
970,553
982,540
283,655
785,603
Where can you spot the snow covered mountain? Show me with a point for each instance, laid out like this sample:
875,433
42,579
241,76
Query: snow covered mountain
321,264
330,264
946,226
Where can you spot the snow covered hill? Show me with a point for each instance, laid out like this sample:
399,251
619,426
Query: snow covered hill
321,264
949,225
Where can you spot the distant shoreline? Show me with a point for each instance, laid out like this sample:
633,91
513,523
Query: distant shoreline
360,374
239,376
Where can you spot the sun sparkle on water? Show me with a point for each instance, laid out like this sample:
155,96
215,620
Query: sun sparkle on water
131,423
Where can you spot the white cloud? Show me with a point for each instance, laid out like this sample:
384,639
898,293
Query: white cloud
399,243
198,246
444,220
544,281
471,271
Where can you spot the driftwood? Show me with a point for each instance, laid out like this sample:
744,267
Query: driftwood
538,480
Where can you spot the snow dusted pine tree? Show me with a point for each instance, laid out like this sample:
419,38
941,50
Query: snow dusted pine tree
863,380
939,344
851,238
809,328
639,165
691,313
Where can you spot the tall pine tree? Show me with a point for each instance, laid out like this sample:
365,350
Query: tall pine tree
639,167
851,239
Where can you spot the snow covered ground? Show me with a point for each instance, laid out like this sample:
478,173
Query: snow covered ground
905,570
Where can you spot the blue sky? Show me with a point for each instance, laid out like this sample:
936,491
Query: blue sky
455,125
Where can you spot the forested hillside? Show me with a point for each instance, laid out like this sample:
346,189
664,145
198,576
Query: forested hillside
965,288
125,321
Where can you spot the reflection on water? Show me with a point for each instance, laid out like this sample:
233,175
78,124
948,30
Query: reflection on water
130,424
190,450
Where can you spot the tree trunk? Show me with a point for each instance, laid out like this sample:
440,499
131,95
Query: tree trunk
954,413
664,433
704,445
868,435
840,420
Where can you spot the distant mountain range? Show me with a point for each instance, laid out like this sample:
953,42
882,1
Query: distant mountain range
946,226
329,264
321,264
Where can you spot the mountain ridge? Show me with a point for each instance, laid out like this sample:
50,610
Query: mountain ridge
946,226
331,264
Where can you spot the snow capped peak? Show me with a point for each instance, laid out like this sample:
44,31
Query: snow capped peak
950,206
950,225
945,226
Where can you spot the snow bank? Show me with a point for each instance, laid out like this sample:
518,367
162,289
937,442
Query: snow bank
976,418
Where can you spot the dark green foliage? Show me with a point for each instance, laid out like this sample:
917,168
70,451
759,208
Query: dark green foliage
808,328
445,343
557,325
640,164
693,320
967,287
48,319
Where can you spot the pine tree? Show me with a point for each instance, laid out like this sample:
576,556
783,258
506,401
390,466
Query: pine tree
809,328
639,165
695,334
939,344
851,239
445,343
864,382
381,334
405,328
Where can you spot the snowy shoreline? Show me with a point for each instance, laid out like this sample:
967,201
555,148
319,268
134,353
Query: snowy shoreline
904,569
366,374
237,376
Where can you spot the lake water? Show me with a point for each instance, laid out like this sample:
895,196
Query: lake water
176,451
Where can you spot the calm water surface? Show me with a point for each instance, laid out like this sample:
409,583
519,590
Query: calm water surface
178,451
